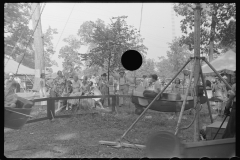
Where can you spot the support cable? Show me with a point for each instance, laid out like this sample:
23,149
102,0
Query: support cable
18,40
31,37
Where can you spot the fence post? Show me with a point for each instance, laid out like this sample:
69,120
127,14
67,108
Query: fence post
114,99
50,109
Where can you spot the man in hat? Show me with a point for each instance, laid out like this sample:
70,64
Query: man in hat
123,83
103,87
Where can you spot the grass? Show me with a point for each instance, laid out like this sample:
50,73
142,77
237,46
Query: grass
78,136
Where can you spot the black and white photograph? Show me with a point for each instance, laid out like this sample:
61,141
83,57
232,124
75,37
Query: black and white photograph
119,80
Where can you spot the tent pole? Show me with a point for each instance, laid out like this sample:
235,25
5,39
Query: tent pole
217,73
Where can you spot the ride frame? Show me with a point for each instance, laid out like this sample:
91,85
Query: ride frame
118,143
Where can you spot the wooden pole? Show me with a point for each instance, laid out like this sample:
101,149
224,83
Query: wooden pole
184,101
208,104
197,19
38,45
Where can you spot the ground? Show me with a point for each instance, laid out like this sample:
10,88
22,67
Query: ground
79,135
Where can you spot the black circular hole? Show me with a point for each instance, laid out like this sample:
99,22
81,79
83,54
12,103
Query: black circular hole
131,60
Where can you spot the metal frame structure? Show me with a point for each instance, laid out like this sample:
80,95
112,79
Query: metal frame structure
118,143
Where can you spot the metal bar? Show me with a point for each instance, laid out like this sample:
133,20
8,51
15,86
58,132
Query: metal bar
185,98
77,97
217,74
220,127
145,110
50,108
18,112
204,86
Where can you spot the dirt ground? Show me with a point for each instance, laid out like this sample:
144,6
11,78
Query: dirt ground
79,135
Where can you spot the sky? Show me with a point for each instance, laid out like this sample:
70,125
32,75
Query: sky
159,23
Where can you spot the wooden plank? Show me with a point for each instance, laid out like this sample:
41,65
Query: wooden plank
122,144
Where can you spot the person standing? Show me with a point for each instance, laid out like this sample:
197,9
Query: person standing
218,93
145,82
59,84
18,80
42,89
123,82
230,130
103,87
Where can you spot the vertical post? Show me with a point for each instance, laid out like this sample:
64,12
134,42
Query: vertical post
197,19
50,109
114,98
208,104
38,44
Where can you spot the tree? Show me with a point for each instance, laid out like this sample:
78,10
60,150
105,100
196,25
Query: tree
70,54
147,68
48,47
177,56
110,42
215,18
164,68
16,20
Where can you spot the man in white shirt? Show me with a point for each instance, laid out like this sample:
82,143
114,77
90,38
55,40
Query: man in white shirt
123,82
154,84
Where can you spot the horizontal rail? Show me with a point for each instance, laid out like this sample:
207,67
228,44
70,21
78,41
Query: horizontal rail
78,97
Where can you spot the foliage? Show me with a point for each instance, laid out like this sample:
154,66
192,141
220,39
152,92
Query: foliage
109,41
215,19
48,47
16,20
177,56
147,68
70,54
93,70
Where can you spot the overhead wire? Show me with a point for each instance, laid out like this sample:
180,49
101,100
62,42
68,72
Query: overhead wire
141,19
31,36
65,25
19,39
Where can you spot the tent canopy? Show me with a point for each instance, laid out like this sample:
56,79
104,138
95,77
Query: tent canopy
13,65
223,64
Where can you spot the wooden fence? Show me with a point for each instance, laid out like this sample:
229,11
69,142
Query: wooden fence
51,104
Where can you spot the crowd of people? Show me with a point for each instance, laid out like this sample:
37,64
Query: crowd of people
86,85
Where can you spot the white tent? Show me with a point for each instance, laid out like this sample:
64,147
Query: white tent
223,64
11,66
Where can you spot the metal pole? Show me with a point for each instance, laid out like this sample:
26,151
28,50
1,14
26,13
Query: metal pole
197,19
204,86
184,101
220,127
153,101
217,73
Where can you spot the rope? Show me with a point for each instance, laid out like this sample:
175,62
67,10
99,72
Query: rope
65,26
18,112
195,115
31,37
141,19
18,40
